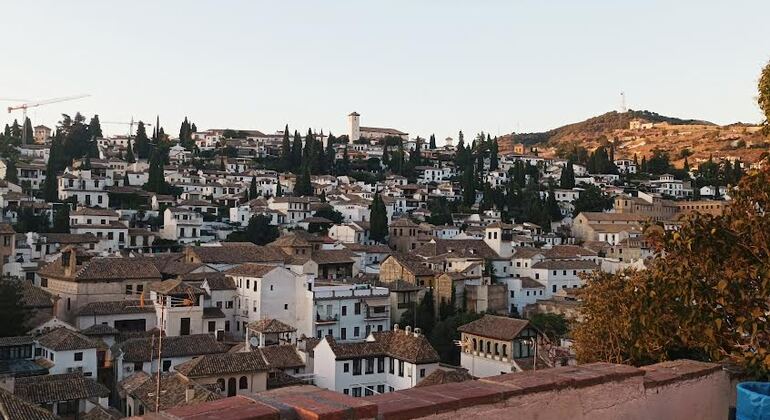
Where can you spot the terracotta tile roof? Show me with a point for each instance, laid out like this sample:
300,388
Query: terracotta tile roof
174,287
612,217
87,211
270,326
398,344
566,265
115,307
17,408
70,238
411,262
99,330
175,388
497,327
16,341
526,252
139,349
558,252
131,382
333,256
213,313
238,254
529,283
216,280
282,357
280,379
35,297
251,270
63,339
223,364
460,247
103,268
402,222
445,376
62,387
372,249
101,413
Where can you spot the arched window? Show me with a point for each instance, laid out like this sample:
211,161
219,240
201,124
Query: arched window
474,344
497,350
505,350
221,385
481,346
243,383
489,346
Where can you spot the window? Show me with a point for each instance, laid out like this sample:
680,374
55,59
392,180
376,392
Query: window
227,326
391,365
380,364
368,391
369,365
129,289
357,308
554,288
285,306
356,367
346,391
343,333
212,326
356,331
79,356
346,367
380,389
357,391
166,365
422,373
512,294
401,368
229,304
344,310
243,383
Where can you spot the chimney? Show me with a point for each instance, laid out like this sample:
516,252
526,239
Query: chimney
417,332
395,327
408,329
189,393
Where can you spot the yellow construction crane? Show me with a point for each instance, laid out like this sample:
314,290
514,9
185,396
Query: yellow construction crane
34,104
130,125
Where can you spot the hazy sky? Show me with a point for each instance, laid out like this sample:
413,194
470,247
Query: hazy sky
421,66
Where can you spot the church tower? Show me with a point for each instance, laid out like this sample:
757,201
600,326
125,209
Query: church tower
354,131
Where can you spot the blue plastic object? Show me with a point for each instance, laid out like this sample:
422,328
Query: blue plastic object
753,402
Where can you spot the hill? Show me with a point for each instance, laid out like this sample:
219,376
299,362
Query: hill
680,137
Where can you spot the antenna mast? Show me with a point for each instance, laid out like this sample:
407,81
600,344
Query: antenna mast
623,108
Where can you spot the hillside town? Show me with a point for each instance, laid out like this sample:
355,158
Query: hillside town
153,271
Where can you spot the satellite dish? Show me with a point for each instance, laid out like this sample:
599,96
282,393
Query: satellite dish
254,341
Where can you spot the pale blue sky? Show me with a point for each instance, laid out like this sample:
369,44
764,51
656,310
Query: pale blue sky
420,66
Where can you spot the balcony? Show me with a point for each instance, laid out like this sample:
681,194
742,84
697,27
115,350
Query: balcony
404,305
326,319
377,312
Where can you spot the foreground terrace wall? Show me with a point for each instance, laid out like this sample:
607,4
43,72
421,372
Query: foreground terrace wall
681,389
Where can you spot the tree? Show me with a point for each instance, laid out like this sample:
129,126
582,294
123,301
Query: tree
378,219
156,181
763,99
567,179
61,219
296,151
12,310
278,189
552,206
493,155
29,135
432,142
95,128
141,142
259,231
303,186
130,153
659,163
11,174
253,188
554,326
705,296
186,135
328,212
592,199
286,151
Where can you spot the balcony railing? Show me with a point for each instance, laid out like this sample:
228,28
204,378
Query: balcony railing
326,319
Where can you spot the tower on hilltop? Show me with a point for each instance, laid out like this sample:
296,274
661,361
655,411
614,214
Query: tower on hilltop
354,126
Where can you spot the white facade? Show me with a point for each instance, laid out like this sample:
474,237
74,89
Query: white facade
181,225
350,312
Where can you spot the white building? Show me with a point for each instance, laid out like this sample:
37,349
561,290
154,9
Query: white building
88,189
182,225
350,311
68,351
626,166
104,224
496,345
355,131
269,291
385,362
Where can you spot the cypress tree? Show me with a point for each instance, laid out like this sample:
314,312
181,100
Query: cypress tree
286,155
296,151
385,156
29,135
432,142
222,164
415,157
686,166
95,128
278,189
330,155
378,219
141,142
554,211
567,179
493,152
130,152
253,188
11,174
304,187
